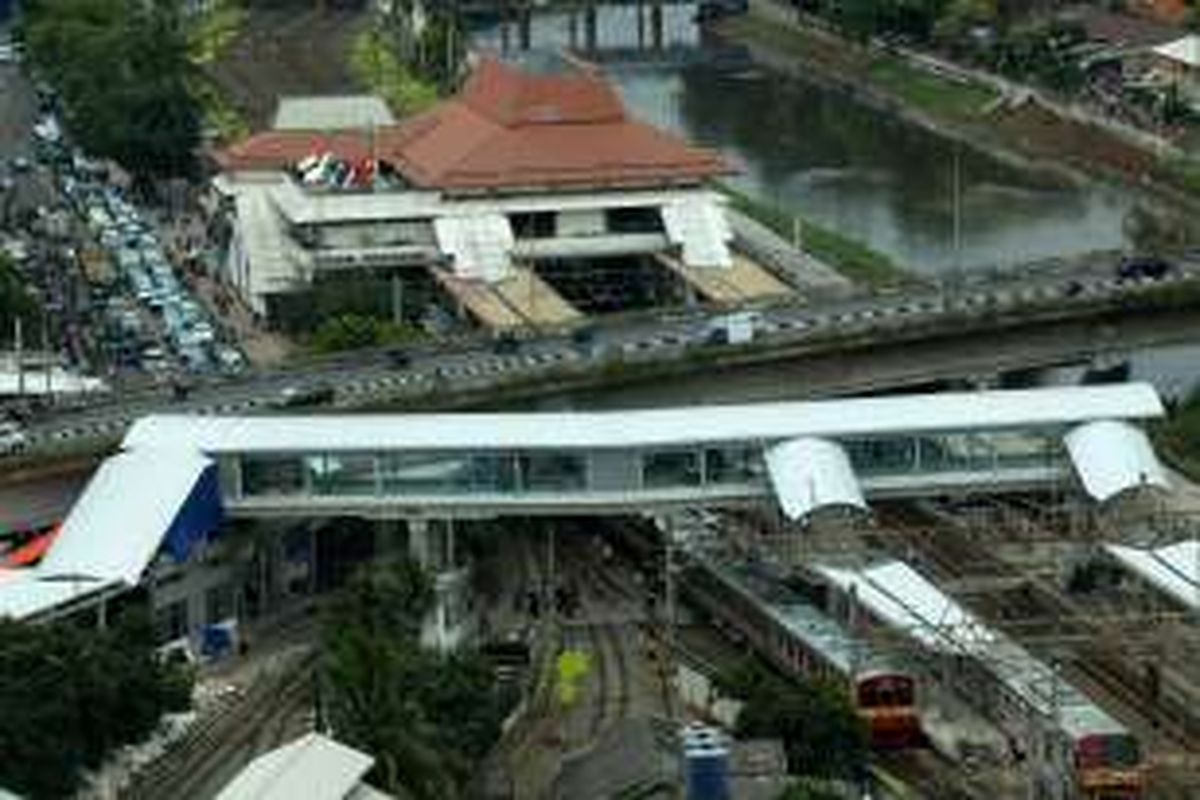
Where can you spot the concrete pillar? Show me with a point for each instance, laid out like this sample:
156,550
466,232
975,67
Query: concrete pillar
397,298
418,541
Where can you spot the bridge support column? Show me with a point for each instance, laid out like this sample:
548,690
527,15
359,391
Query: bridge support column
431,543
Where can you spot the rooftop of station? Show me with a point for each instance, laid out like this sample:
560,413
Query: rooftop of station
508,128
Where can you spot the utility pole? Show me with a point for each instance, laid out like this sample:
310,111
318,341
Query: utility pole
17,347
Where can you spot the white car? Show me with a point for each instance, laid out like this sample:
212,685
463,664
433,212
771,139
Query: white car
12,438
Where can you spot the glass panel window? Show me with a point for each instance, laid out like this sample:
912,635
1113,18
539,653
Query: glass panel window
427,473
665,468
344,474
272,475
494,473
882,456
553,472
732,464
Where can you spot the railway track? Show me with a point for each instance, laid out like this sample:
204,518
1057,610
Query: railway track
220,745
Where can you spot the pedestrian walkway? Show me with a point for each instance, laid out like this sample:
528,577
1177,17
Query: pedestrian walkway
744,281
808,274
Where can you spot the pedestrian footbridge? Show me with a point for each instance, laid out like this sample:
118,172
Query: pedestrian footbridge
178,475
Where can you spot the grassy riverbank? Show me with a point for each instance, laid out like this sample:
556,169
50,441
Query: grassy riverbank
1178,438
855,260
965,109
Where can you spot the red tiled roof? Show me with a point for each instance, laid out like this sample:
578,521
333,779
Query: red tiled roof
507,130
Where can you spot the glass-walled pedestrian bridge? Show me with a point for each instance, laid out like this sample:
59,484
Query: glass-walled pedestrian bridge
178,476
807,454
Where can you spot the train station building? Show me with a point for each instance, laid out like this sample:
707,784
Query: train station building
529,198
413,483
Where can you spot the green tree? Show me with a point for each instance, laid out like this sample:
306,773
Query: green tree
15,300
71,695
120,68
427,717
821,731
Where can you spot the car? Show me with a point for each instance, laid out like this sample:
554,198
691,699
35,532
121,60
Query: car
1152,267
506,344
12,438
398,358
583,337
296,396
1074,288
230,359
21,164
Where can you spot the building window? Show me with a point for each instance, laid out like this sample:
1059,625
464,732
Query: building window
534,224
426,473
882,456
638,219
667,468
733,464
272,475
343,473
494,473
552,472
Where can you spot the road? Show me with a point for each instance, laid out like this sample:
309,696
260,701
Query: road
370,379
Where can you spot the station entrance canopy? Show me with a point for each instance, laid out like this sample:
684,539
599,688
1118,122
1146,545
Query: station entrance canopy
138,504
177,474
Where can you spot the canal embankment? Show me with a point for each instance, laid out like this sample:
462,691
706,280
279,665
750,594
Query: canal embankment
1019,128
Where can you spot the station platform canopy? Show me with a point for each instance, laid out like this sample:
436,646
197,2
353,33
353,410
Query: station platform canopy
313,766
906,600
137,504
1174,568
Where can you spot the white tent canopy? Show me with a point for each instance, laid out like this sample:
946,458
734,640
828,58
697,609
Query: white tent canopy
1111,456
812,473
1185,50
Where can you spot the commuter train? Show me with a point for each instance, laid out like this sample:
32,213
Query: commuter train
798,639
1073,748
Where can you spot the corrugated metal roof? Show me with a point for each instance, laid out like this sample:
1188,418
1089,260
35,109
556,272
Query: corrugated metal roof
1174,568
809,473
313,767
329,113
1112,456
765,422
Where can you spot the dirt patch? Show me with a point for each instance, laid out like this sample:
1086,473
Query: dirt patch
1041,132
287,51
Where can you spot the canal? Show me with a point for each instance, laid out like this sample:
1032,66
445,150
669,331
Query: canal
818,152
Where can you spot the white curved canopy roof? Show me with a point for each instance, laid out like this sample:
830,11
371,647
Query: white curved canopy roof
1111,456
906,600
766,422
1175,568
811,473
